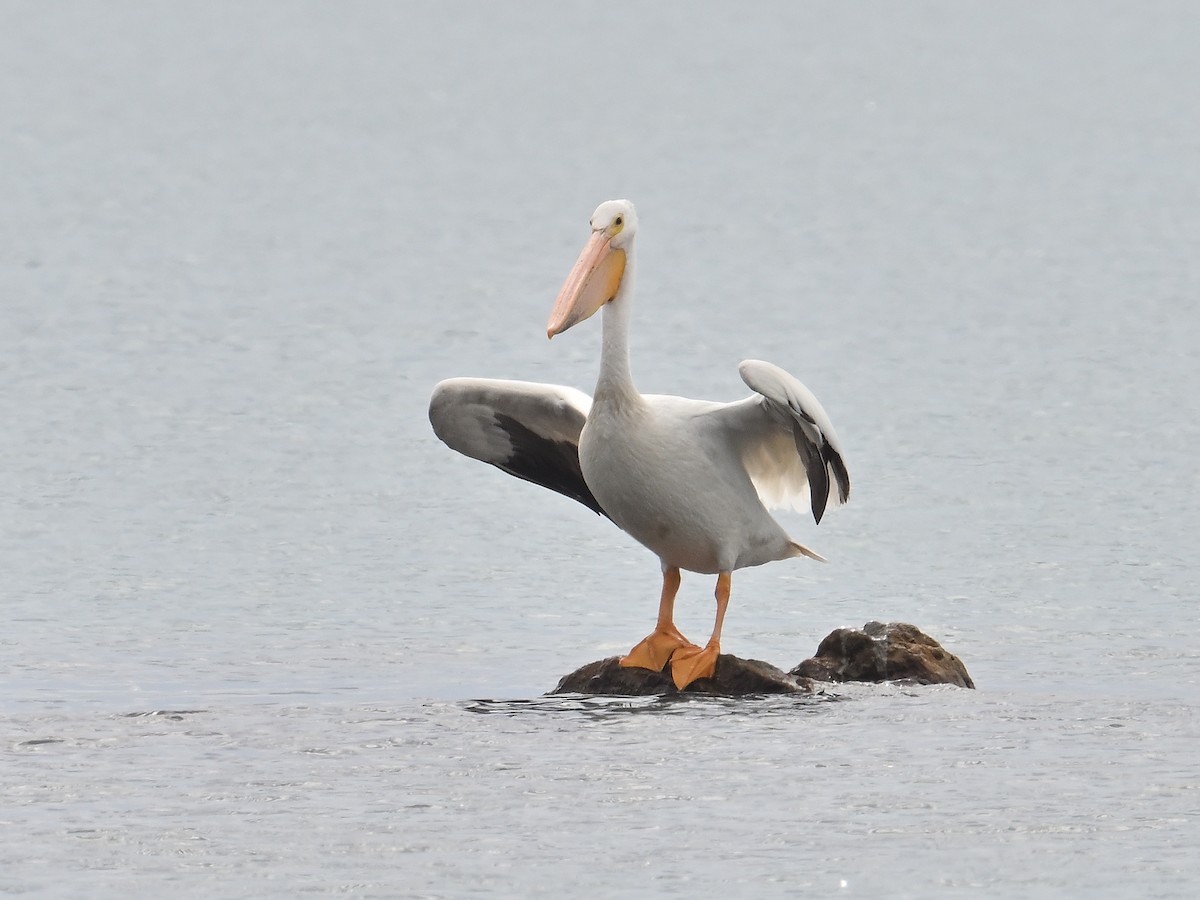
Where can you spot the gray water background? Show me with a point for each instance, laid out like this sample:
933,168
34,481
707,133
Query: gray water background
265,636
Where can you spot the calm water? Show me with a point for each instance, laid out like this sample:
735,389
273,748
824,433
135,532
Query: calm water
264,635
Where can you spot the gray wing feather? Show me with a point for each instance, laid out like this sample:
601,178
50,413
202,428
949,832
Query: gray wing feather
794,407
526,429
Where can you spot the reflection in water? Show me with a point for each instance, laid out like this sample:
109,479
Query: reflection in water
701,705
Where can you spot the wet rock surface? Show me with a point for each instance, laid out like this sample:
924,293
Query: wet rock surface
877,652
896,651
734,677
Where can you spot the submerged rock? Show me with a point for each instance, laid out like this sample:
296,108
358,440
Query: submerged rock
734,677
893,652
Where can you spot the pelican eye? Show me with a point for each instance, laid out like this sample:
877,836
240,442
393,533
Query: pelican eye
615,228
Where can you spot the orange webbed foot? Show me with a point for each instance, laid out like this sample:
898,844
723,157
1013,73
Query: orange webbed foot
693,663
653,651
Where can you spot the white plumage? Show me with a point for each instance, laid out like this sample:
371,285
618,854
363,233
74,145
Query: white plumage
689,479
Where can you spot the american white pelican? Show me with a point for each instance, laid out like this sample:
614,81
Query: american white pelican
686,478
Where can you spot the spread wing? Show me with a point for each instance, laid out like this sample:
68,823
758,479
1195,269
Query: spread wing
787,441
526,429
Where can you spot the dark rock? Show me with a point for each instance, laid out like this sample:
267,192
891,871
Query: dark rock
734,677
893,652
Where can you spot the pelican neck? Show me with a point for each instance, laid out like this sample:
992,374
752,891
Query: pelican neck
615,383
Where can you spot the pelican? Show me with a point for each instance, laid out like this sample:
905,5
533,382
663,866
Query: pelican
688,479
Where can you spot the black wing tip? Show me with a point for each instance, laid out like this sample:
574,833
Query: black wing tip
817,470
585,496
838,466
818,506
549,463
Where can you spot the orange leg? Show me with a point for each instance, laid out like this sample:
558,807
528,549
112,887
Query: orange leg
654,650
692,663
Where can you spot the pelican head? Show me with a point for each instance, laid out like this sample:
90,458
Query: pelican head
595,278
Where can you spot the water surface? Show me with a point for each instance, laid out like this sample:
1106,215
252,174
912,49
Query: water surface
266,636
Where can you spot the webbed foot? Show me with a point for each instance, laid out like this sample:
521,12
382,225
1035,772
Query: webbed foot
693,663
653,651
